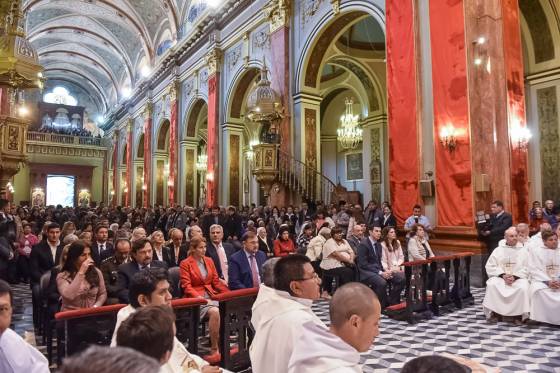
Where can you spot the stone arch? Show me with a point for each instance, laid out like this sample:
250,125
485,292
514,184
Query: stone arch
539,35
241,82
162,142
140,147
196,107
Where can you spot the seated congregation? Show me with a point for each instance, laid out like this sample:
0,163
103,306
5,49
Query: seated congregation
252,295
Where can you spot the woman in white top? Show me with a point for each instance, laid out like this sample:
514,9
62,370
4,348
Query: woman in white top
418,246
338,260
314,249
392,257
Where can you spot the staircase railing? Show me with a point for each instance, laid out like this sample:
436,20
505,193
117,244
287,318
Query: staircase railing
304,179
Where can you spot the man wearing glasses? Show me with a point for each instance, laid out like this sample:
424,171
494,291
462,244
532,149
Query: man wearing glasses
279,313
16,355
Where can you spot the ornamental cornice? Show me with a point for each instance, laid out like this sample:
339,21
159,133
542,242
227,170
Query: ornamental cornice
65,151
278,14
214,60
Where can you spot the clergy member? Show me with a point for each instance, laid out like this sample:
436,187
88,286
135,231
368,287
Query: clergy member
354,312
544,267
507,289
278,314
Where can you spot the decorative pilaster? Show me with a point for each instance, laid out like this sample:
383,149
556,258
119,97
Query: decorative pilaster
148,110
173,94
213,60
278,14
129,171
114,200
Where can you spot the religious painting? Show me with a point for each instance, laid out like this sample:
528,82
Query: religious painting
310,138
354,166
234,170
159,182
189,178
38,197
139,185
375,172
84,198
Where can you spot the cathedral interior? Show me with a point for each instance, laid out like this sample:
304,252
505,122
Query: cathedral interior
449,105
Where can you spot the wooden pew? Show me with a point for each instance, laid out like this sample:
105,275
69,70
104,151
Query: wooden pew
415,307
235,319
461,292
187,318
438,275
78,329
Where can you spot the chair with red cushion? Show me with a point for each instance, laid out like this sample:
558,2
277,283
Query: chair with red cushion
235,319
78,329
187,317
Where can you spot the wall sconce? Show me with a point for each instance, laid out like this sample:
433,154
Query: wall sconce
448,137
210,176
170,183
112,192
166,170
125,190
144,187
520,136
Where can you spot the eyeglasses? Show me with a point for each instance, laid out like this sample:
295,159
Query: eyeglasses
315,277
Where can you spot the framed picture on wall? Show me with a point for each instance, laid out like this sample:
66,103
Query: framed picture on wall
354,166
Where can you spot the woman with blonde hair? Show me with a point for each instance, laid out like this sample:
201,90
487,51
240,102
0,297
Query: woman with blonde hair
68,228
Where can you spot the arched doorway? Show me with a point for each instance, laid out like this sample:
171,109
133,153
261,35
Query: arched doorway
346,60
192,146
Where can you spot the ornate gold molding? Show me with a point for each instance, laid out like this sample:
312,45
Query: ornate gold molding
148,110
64,151
278,14
335,4
129,125
214,60
173,90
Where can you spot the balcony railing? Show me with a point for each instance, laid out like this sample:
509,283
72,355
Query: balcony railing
65,139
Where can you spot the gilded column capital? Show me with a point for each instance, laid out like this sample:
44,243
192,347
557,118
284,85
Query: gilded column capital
129,125
173,90
214,60
148,110
278,14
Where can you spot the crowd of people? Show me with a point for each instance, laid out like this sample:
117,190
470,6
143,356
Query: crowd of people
345,253
70,131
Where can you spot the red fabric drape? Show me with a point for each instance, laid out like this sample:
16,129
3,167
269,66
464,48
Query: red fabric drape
454,196
402,107
515,108
172,153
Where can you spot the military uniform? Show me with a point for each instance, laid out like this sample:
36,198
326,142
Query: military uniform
109,269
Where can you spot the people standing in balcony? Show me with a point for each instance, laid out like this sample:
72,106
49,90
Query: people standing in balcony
283,245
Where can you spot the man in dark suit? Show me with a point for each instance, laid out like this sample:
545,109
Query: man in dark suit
208,220
141,253
177,250
233,228
44,256
219,251
101,248
500,221
245,266
371,270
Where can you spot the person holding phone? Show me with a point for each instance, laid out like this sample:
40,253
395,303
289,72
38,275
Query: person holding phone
80,283
418,218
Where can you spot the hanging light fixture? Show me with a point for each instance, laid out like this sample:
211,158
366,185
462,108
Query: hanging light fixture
349,134
202,163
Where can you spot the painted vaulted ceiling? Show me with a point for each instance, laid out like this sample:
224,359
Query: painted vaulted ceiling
102,45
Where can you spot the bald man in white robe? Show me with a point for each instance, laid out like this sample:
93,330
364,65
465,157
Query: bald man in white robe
507,289
544,268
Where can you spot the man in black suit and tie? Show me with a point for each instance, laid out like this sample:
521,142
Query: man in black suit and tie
208,220
500,221
245,266
219,251
101,248
371,270
177,250
142,252
44,256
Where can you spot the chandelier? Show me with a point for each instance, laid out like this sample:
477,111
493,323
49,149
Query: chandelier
349,134
202,163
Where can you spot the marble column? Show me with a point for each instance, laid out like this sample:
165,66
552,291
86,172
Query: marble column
213,59
129,171
115,168
173,143
232,186
497,104
147,154
278,13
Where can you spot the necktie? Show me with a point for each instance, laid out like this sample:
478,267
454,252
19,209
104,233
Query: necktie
223,261
101,248
254,272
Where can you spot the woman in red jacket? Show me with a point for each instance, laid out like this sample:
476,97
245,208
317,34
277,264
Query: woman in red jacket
283,245
199,279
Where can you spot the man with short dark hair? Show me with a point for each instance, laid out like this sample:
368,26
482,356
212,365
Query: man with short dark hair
101,248
499,222
279,313
245,266
354,313
110,269
417,218
150,287
97,359
16,355
150,330
141,258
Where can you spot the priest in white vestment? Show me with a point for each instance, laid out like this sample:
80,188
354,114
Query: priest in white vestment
278,315
507,289
544,269
354,311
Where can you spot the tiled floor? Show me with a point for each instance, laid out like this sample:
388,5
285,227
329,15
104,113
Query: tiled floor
462,332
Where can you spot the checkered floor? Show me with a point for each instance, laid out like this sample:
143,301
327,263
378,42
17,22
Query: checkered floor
466,333
527,348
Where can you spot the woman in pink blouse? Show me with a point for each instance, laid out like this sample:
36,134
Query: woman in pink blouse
80,284
26,241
